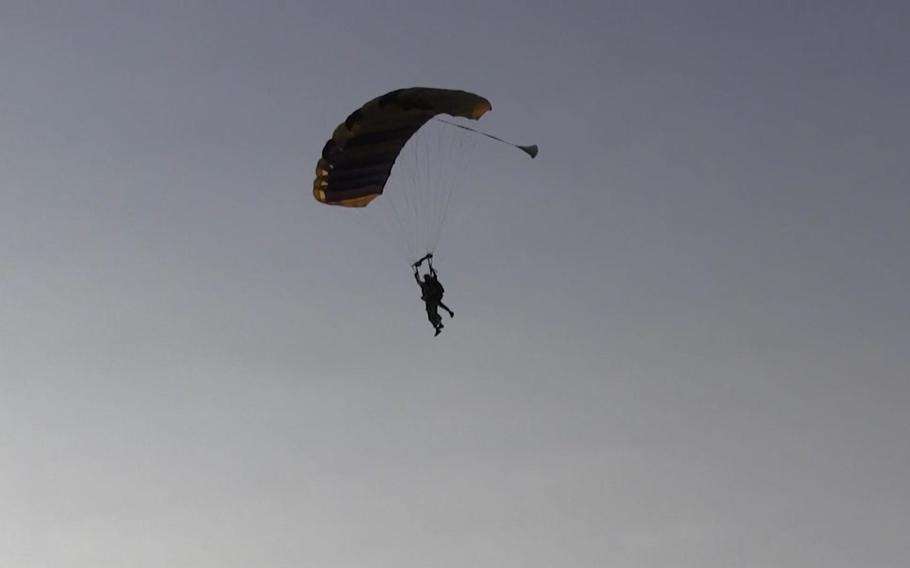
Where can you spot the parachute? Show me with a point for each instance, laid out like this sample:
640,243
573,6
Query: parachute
358,160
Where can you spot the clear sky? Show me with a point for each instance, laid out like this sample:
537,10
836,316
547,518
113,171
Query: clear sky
682,334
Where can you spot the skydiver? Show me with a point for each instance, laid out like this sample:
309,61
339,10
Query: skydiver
431,293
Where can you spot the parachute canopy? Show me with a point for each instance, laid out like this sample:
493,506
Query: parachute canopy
357,161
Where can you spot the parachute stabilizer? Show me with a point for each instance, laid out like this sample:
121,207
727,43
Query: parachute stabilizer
529,150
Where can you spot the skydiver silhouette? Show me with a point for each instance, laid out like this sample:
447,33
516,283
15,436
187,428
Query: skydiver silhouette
431,293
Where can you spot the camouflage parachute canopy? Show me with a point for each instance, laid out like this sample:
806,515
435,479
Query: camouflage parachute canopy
357,161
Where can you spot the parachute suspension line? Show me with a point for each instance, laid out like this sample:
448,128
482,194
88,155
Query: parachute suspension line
458,150
436,196
424,193
440,162
530,150
394,209
446,194
412,197
429,197
445,191
387,219
401,224
420,191
432,182
410,193
448,200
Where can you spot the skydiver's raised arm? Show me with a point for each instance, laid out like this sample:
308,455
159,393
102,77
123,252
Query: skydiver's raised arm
428,257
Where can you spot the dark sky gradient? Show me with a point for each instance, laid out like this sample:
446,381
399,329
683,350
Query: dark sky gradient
683,332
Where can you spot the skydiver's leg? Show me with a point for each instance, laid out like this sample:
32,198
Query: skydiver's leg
446,308
433,315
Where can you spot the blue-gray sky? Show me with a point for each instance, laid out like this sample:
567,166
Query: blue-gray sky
682,332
